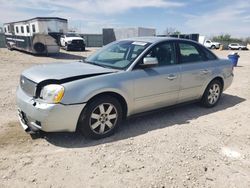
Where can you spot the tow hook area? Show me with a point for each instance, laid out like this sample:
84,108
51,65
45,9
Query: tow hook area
29,127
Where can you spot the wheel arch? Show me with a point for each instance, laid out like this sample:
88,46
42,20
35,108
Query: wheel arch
116,95
220,78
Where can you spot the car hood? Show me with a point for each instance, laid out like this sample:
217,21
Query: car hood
73,38
63,71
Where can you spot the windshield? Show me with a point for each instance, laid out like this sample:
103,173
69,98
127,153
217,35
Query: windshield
118,55
72,35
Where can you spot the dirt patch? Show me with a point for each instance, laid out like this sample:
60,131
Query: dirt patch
188,146
13,136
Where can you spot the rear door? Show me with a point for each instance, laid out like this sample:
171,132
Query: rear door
195,70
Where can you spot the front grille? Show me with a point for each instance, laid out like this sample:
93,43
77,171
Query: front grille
77,42
28,86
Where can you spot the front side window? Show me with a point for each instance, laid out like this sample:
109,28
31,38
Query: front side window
8,28
189,53
119,54
164,52
5,30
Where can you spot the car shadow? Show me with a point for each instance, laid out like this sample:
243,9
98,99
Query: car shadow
145,123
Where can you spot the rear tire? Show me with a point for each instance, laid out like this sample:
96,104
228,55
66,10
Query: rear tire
100,118
212,94
39,47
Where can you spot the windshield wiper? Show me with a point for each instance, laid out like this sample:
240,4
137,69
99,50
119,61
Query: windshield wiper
93,63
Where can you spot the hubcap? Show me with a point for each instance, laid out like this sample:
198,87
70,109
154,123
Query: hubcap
214,93
103,118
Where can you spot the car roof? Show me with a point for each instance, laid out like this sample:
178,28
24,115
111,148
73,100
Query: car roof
155,39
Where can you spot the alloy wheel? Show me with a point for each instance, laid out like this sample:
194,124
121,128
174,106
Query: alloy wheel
214,94
103,118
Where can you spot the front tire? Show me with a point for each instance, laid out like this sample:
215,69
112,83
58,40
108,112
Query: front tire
212,94
100,118
66,47
213,47
83,48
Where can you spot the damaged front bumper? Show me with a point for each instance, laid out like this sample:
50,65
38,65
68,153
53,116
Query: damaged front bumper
35,115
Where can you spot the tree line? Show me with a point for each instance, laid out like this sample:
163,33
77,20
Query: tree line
226,38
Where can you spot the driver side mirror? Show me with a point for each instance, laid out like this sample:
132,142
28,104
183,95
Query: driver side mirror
149,62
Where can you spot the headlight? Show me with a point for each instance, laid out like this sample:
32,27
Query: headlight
52,93
69,42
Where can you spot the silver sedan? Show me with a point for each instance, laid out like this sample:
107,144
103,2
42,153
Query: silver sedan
122,79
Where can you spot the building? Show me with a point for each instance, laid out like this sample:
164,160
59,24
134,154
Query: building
111,34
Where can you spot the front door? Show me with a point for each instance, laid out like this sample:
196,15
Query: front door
157,86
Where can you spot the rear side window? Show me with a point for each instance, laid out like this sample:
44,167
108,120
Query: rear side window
209,55
5,30
190,53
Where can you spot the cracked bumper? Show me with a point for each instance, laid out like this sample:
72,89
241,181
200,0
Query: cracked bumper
47,117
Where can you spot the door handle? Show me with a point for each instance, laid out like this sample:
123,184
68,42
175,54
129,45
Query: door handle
205,71
171,77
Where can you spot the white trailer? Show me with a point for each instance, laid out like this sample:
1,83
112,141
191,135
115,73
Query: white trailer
38,35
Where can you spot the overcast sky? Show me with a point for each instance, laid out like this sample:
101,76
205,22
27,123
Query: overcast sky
207,17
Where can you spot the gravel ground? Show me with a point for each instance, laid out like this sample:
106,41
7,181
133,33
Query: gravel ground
187,146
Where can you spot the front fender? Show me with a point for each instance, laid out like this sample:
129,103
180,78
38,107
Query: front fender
81,91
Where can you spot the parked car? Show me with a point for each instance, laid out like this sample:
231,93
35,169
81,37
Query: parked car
124,78
72,41
212,45
236,46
